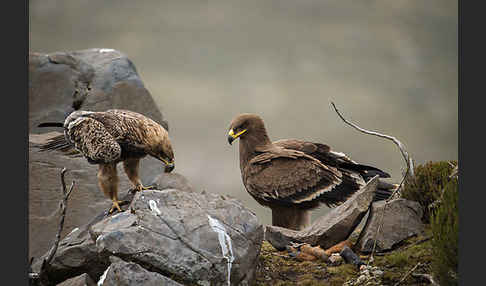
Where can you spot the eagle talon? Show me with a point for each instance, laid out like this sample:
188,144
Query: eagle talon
115,205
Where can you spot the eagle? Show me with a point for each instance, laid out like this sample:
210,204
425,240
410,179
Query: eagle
110,137
292,176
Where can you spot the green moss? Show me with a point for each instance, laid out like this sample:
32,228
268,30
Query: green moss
277,268
444,224
427,184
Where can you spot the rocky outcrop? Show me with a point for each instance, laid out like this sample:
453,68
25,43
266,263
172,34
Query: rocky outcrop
331,228
191,238
401,219
121,273
81,280
94,79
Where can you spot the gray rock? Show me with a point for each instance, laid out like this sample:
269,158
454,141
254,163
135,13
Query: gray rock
177,233
121,273
401,220
192,238
53,80
81,280
111,75
172,181
331,228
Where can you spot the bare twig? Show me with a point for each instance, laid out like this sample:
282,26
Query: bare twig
406,157
406,274
53,249
428,277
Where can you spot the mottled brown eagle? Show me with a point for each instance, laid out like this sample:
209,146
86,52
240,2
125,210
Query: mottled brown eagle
293,177
107,138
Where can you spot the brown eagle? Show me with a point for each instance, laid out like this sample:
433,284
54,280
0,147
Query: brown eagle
107,138
292,176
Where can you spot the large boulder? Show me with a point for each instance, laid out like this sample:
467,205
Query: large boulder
121,273
191,238
400,220
93,79
81,280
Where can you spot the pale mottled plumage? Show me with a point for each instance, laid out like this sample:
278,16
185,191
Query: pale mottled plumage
107,138
294,176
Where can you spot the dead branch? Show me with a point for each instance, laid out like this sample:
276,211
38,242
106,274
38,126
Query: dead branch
406,157
62,206
406,274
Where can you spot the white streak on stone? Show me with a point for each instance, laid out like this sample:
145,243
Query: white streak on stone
73,231
106,50
153,207
103,277
224,242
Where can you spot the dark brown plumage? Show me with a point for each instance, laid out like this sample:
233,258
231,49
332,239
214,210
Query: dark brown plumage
107,138
294,176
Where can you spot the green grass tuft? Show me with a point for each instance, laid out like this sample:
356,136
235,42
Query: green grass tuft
427,184
444,224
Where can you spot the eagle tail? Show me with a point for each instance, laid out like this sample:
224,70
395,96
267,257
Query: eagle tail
59,143
366,171
384,191
51,124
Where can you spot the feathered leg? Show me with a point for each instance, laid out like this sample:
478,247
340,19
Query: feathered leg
108,182
131,167
289,217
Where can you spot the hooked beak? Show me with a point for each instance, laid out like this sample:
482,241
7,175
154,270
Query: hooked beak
169,166
232,136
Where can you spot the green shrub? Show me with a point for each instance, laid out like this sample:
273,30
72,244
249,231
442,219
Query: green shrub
427,184
444,225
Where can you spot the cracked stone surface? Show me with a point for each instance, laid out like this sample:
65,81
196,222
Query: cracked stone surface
121,273
168,232
53,79
401,220
81,280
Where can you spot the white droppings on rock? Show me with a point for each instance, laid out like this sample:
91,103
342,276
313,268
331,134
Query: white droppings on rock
100,237
224,241
153,207
103,277
106,50
73,231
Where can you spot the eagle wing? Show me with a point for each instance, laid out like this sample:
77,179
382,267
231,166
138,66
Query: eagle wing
92,139
325,155
289,177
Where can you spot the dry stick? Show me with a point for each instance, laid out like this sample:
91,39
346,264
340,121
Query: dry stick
406,156
62,206
406,274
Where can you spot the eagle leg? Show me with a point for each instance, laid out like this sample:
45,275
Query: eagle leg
108,183
290,217
131,167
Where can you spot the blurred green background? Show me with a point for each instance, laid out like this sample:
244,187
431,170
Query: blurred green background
389,66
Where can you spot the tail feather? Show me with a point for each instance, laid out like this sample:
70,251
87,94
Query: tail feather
59,143
384,191
366,171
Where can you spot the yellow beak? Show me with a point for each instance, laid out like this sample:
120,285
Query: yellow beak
232,136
